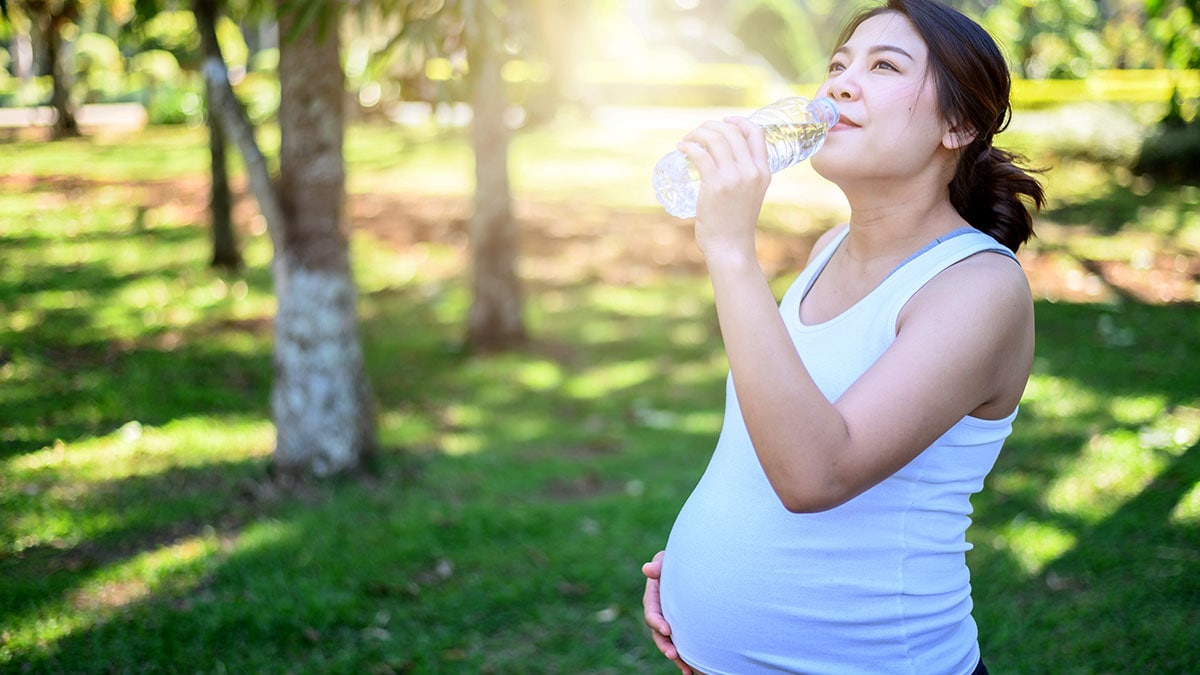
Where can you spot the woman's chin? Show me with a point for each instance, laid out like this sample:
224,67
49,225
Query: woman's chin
827,168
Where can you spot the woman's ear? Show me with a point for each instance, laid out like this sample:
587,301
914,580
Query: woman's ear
958,136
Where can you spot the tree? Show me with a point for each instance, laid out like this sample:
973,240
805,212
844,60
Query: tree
479,30
486,35
189,43
1173,150
48,20
794,37
1049,38
496,319
321,401
225,249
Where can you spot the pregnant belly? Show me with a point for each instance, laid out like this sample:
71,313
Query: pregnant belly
748,584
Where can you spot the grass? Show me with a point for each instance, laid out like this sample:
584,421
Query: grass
519,494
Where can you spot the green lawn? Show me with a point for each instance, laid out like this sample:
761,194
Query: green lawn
519,494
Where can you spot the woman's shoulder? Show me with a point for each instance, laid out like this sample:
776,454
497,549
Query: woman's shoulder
987,279
992,272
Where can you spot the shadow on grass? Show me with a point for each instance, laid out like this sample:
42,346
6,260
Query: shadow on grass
1121,208
120,519
523,556
91,389
527,546
87,361
520,558
1122,598
374,581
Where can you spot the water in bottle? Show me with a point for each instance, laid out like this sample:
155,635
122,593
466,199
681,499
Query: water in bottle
794,127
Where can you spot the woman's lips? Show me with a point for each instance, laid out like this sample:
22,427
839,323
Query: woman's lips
843,124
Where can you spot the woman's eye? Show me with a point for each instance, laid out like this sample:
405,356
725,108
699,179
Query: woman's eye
836,67
884,65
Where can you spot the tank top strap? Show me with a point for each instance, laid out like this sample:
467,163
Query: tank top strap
945,251
826,253
920,268
987,242
808,275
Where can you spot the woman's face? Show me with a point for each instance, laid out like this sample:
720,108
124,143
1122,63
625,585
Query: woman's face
889,125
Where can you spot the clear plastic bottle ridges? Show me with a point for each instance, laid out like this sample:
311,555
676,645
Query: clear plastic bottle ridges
795,128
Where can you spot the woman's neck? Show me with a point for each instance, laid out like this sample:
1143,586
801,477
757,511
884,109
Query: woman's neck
886,224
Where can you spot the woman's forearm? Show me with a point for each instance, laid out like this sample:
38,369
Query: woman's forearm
797,433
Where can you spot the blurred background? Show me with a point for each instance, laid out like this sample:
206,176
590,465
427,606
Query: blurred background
349,337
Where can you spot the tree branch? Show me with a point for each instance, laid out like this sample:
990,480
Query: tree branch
229,113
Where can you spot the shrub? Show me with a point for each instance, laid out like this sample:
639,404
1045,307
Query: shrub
1172,152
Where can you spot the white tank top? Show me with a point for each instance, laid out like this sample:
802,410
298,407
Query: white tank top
876,585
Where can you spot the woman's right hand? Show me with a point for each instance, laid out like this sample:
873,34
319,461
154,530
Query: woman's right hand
731,158
660,630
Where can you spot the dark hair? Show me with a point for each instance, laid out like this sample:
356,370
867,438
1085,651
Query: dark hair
989,190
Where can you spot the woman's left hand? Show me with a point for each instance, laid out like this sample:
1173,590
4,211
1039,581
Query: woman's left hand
731,157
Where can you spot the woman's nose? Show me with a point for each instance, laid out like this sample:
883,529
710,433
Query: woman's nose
841,88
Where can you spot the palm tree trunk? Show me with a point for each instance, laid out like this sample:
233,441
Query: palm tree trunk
321,401
496,318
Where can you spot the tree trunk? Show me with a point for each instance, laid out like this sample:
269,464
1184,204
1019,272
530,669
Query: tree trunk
496,318
225,107
52,24
1025,48
225,248
321,402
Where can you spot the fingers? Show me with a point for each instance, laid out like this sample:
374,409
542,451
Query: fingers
725,145
652,609
755,139
668,650
652,601
660,630
665,645
653,569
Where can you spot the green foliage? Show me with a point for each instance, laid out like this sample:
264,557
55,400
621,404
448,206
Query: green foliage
99,67
1049,39
181,102
1176,25
259,93
175,32
779,31
156,67
36,91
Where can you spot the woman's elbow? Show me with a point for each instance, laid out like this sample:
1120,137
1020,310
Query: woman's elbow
811,499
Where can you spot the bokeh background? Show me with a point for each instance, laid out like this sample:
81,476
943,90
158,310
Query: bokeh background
461,190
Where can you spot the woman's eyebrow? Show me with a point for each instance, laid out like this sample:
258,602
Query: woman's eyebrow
873,49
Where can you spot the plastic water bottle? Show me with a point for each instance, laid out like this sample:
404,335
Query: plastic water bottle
795,128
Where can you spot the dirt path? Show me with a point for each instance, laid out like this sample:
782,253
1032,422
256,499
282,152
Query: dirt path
570,244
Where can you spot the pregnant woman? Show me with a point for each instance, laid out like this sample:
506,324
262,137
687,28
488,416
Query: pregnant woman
827,534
